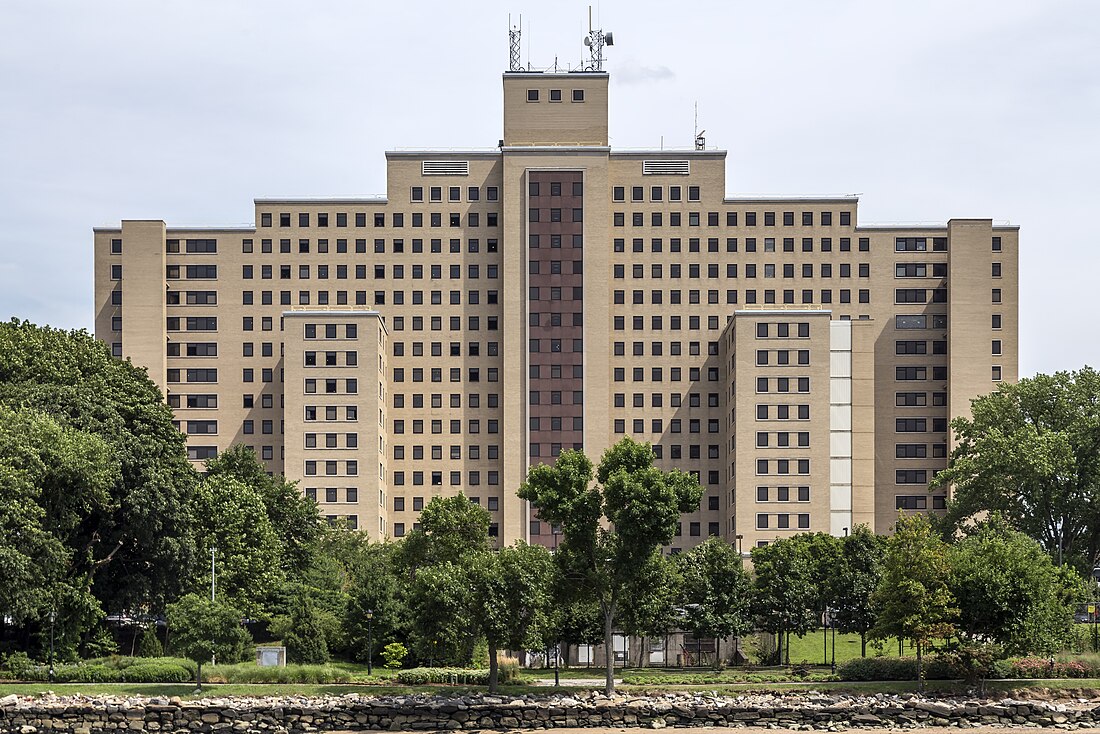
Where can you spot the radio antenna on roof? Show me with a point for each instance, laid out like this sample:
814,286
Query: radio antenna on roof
515,32
596,40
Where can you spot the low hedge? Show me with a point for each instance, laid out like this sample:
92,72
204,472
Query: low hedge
883,668
155,671
252,673
677,679
459,676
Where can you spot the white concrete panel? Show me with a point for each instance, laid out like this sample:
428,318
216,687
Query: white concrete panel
840,336
840,497
840,364
840,417
840,390
840,444
840,471
838,522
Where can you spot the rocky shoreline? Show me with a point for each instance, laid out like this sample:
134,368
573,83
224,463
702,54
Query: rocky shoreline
357,712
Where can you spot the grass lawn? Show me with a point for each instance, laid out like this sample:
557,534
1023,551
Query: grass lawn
847,647
217,690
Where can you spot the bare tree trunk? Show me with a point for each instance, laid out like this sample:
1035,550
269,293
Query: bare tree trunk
494,671
609,648
198,676
863,643
920,668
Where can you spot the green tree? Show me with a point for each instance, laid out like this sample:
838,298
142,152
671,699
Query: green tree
716,591
641,505
913,600
134,550
52,478
784,592
305,637
375,585
1031,452
654,595
510,599
234,524
855,579
293,516
1009,591
442,629
203,629
150,646
450,529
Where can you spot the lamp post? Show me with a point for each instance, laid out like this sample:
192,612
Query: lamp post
53,618
557,657
370,642
738,539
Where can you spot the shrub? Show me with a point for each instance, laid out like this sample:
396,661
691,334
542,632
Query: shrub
251,673
507,669
394,654
150,646
305,639
425,676
18,665
155,672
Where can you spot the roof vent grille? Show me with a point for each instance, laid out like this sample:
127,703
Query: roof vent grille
666,168
445,168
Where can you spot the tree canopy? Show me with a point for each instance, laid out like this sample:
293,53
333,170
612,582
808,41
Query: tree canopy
1031,452
642,506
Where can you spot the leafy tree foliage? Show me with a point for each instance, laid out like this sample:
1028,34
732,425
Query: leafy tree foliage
134,549
1031,452
1009,591
305,637
716,591
233,522
913,599
654,595
783,590
854,581
293,516
375,583
510,599
202,629
641,504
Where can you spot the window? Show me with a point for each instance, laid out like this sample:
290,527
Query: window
578,95
532,95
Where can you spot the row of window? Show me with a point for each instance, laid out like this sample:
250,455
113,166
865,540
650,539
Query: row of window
919,399
912,346
492,426
331,440
782,357
331,412
919,502
192,349
331,467
782,494
657,349
675,244
782,521
788,270
435,374
782,439
782,412
329,386
782,330
675,297
435,246
397,219
675,374
676,425
919,450
656,400
553,95
695,219
397,272
454,349
454,193
473,452
351,494
473,478
473,400
920,425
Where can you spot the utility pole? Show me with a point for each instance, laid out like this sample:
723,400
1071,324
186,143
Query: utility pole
212,550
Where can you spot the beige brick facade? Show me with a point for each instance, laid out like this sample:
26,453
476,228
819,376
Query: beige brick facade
554,292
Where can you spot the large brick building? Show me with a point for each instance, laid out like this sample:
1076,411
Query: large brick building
499,305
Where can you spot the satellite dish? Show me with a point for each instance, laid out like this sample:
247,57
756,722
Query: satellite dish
587,41
609,39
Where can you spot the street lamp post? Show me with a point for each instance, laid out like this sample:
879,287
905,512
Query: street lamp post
370,642
53,618
738,538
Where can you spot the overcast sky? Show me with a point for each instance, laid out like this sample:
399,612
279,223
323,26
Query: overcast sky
187,110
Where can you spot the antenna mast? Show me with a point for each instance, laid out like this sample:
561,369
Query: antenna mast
514,33
700,141
596,40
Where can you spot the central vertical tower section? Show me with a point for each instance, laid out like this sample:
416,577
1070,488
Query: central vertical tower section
555,313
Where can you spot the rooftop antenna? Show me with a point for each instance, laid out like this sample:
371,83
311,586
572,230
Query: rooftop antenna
515,32
596,40
700,141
